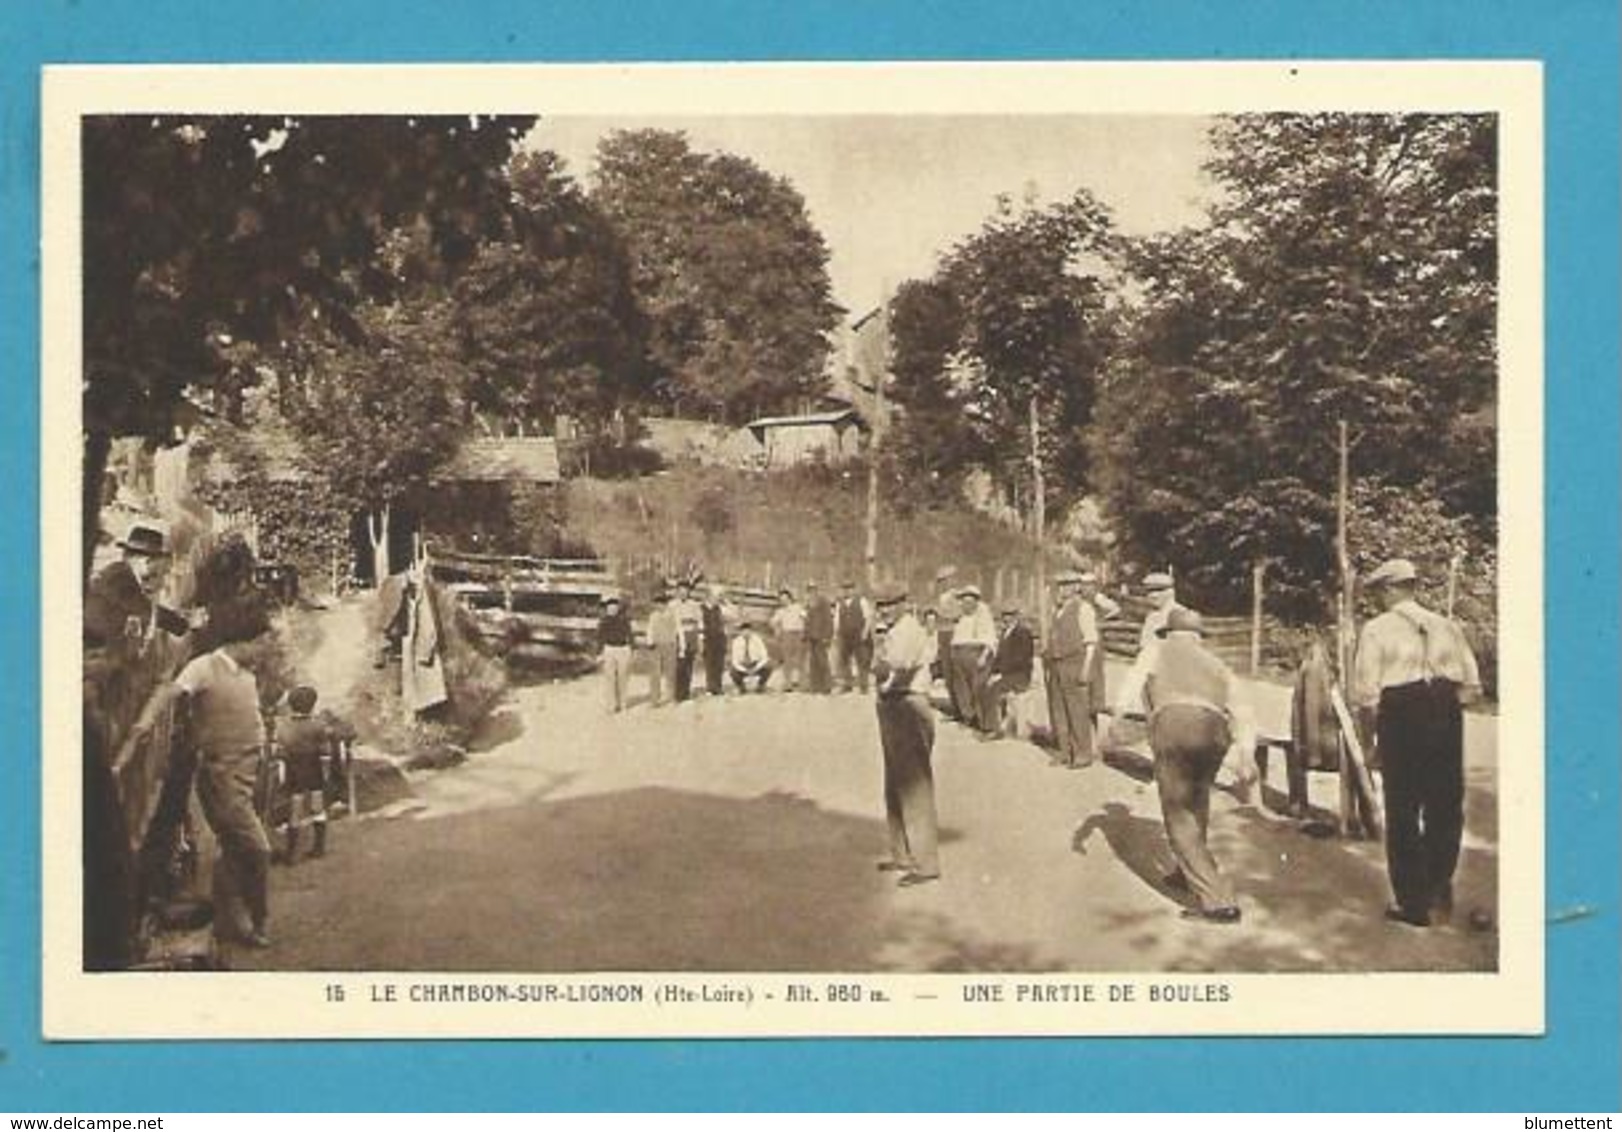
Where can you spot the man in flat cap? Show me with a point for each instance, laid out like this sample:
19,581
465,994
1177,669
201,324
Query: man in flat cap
946,610
1159,588
1196,714
665,638
1067,663
854,619
907,736
1413,672
1011,667
819,637
122,604
974,640
788,635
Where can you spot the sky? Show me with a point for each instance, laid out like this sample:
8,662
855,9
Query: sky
891,194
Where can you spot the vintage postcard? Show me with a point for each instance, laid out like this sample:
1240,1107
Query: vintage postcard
779,550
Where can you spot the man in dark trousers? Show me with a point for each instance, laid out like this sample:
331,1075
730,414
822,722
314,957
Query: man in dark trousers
819,636
122,601
907,735
1413,673
691,619
713,615
1196,714
1067,666
1011,667
854,624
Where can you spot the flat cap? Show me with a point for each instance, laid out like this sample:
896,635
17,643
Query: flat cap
970,590
1394,572
1159,580
1182,621
890,595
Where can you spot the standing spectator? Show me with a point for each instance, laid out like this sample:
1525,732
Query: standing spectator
1162,594
974,638
713,616
691,619
310,756
1067,663
665,638
1103,609
1011,668
788,630
907,736
854,625
1413,673
750,659
1196,715
223,729
819,635
614,634
122,601
945,614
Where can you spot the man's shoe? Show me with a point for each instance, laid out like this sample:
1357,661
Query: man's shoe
892,867
256,940
912,880
1229,914
1400,915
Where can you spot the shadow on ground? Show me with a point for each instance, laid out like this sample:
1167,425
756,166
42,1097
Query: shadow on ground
649,879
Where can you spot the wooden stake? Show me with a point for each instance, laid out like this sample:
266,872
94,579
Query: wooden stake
1039,515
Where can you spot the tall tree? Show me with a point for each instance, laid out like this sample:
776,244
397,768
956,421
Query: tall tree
728,268
1348,272
205,236
547,313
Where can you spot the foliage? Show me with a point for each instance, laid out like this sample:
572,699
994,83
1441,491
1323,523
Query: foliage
711,514
208,238
1017,313
1348,273
546,313
728,269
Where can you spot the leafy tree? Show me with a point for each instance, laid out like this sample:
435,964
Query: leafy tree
1017,317
379,415
209,237
728,268
547,315
1347,273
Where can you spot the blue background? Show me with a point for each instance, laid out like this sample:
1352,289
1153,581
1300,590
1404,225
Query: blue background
1575,1067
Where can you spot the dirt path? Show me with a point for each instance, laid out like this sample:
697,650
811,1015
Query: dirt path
741,835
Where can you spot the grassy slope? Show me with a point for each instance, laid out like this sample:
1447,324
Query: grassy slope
805,525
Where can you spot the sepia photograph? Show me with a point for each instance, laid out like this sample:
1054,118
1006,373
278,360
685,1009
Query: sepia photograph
793,550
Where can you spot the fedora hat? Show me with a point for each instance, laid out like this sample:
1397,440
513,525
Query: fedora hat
145,539
1182,621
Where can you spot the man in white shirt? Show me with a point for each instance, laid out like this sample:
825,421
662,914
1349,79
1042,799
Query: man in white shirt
1414,671
907,735
1162,594
974,642
750,659
788,631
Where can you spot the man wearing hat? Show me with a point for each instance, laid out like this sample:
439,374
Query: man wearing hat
1067,663
945,612
1103,609
750,659
819,637
665,638
788,633
974,640
121,603
1196,714
907,736
691,619
1413,672
1010,668
853,619
715,612
1162,594
614,635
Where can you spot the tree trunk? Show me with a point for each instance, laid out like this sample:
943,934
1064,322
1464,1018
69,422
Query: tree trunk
377,528
1038,515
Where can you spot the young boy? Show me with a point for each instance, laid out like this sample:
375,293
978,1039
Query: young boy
308,748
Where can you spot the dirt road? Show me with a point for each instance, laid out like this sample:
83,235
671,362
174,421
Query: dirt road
741,835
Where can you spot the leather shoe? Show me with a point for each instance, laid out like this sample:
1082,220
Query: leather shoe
912,880
1399,915
892,867
1228,914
